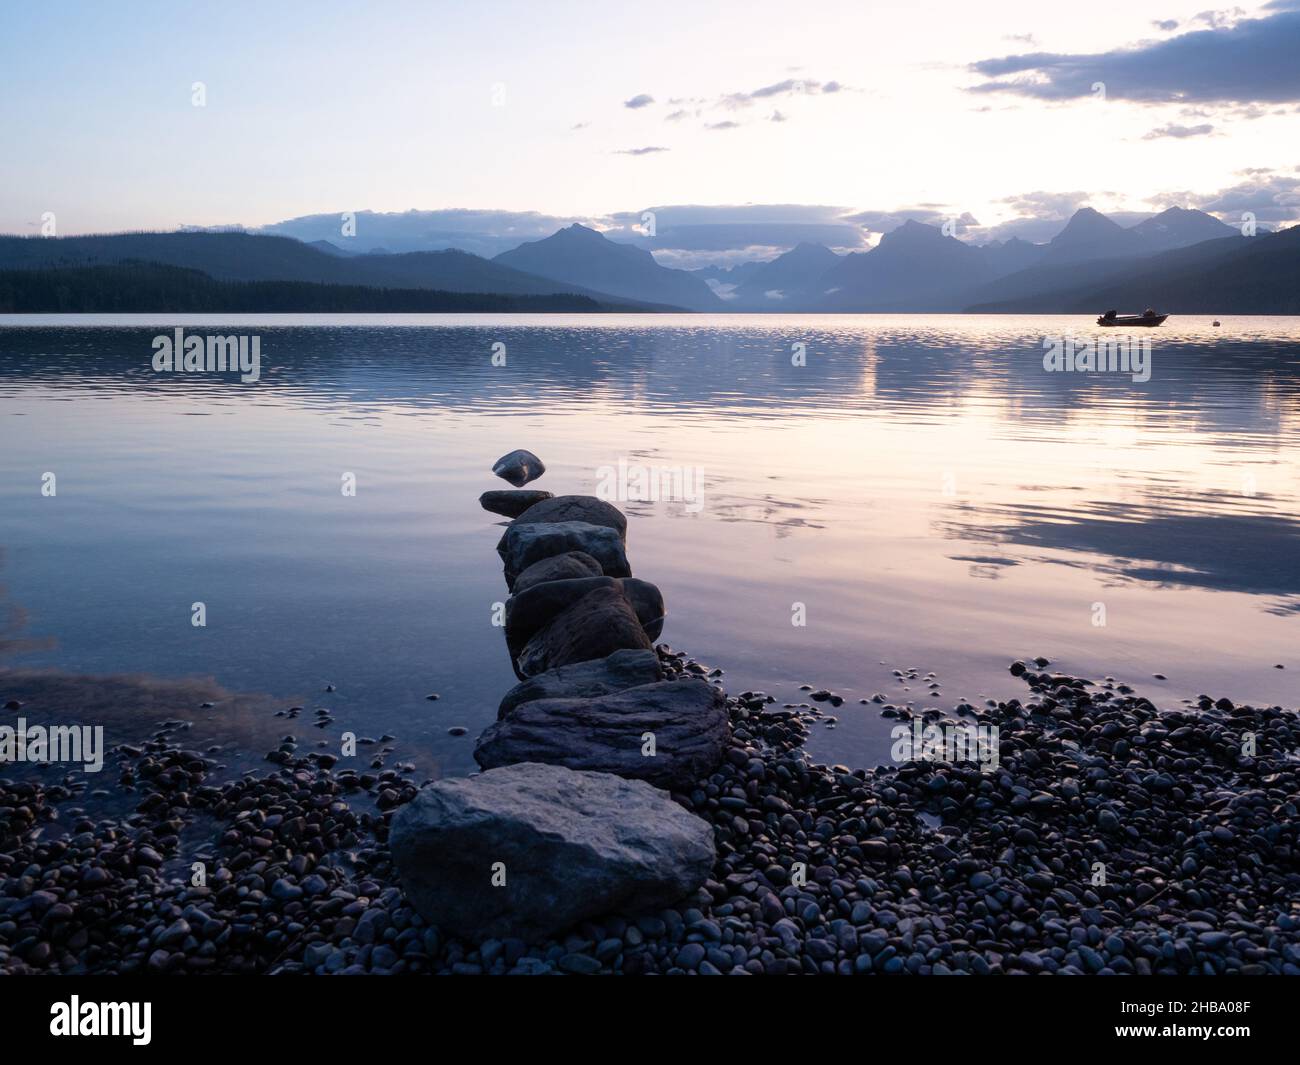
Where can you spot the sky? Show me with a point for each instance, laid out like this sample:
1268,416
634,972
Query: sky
742,126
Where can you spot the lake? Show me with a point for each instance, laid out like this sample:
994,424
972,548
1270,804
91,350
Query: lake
918,491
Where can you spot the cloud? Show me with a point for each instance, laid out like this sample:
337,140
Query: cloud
483,232
677,116
1217,20
1246,61
1179,132
880,222
776,116
695,235
686,235
638,101
789,87
1040,204
1166,24
580,125
1270,196
648,150
723,125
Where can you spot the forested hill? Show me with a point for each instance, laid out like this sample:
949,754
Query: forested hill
142,288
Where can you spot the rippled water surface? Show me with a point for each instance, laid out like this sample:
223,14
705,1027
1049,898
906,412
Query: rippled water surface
932,498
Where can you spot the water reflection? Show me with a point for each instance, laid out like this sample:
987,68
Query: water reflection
920,484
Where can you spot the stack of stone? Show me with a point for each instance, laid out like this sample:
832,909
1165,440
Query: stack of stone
568,821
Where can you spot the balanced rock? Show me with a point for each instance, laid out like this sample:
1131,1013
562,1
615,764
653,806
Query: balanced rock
606,733
594,626
603,676
511,502
577,508
573,846
519,467
565,567
527,542
532,608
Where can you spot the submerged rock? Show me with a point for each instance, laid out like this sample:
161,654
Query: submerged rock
527,542
568,845
533,608
604,676
594,626
519,467
511,502
577,508
568,566
608,733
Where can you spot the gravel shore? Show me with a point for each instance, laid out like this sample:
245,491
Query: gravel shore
820,869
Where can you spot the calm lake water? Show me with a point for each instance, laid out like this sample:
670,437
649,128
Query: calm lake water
932,498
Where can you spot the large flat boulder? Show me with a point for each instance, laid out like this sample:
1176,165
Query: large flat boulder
570,846
535,607
566,567
603,676
593,626
511,502
519,467
577,508
524,543
607,733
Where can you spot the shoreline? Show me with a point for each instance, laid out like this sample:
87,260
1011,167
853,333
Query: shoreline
1200,847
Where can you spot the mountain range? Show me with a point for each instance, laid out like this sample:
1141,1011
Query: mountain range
579,256
1179,260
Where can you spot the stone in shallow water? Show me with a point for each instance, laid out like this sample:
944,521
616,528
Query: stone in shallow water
571,845
594,626
519,467
532,608
568,566
604,676
606,733
577,508
511,502
529,542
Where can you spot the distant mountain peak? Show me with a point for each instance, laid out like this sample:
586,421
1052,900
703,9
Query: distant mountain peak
1087,223
913,234
577,254
1179,226
578,230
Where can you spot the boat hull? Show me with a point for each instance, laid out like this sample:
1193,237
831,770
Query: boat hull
1135,319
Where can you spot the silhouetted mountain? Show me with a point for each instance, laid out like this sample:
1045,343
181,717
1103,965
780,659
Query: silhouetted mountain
142,288
729,275
245,257
914,268
328,248
783,283
1232,275
1178,227
1011,255
1091,235
580,256
1074,260
724,280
